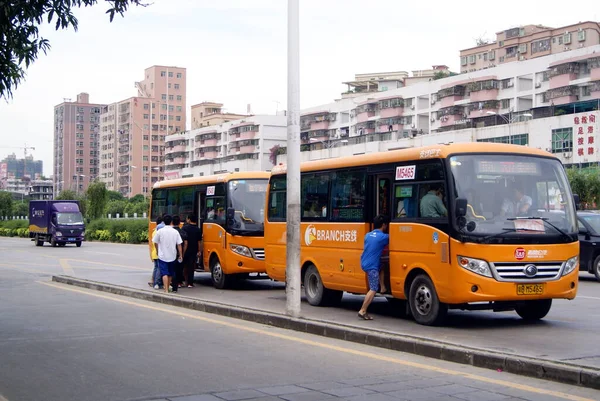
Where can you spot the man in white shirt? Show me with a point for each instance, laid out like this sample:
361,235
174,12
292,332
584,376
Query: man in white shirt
167,242
519,206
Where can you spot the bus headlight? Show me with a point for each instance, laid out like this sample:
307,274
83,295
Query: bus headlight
241,250
477,266
570,265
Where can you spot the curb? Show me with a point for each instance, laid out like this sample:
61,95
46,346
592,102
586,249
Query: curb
481,358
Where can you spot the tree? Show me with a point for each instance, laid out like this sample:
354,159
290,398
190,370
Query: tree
115,206
20,209
138,198
6,202
20,42
66,194
114,195
443,74
97,196
586,184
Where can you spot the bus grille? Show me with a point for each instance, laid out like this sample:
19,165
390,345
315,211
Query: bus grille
259,253
545,271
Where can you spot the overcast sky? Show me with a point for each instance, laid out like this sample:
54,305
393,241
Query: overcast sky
235,51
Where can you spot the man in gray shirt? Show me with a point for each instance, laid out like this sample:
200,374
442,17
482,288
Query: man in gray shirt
518,206
432,205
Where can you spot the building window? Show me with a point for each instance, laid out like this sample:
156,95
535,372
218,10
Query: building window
179,98
562,140
178,75
472,59
505,103
179,108
170,97
169,86
146,106
587,91
171,108
520,139
163,106
164,97
145,116
176,86
170,74
178,118
162,73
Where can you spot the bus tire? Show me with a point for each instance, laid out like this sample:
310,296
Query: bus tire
534,310
219,278
425,305
316,293
399,306
596,268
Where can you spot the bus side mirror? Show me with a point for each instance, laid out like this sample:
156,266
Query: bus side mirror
576,201
230,213
460,207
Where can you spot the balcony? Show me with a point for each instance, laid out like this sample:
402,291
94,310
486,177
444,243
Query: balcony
365,111
449,95
484,90
563,95
210,155
391,112
176,148
480,109
594,66
561,75
247,135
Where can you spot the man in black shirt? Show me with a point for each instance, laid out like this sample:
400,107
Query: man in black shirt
178,277
194,248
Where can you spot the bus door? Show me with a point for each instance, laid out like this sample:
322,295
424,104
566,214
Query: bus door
382,204
213,233
199,206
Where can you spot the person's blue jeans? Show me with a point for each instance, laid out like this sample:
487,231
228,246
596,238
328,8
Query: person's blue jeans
156,274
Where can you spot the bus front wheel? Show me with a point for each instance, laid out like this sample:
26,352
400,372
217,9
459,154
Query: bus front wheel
219,278
316,293
424,303
534,310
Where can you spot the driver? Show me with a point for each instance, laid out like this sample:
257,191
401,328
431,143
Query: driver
518,206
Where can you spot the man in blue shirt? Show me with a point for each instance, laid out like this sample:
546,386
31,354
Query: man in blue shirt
370,261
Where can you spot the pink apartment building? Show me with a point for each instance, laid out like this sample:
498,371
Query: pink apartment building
133,131
76,152
528,42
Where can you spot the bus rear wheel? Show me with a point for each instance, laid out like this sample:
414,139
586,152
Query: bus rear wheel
316,293
534,310
219,278
425,305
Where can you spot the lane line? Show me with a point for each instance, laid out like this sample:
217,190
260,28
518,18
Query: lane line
318,344
66,267
103,253
583,296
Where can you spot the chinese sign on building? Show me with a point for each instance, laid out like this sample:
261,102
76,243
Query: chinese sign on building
584,130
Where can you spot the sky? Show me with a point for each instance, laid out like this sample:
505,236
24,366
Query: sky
235,52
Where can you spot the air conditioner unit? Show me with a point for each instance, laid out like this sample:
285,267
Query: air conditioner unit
521,58
432,101
538,84
412,107
412,126
432,120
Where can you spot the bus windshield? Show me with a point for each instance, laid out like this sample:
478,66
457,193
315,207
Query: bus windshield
514,199
69,219
247,197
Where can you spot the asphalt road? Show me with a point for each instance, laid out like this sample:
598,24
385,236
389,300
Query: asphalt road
569,333
59,342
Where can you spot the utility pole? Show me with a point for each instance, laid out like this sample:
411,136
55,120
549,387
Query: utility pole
292,273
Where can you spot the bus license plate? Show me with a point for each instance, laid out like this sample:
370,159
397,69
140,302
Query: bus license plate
530,289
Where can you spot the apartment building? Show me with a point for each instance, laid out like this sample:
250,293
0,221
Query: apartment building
41,190
549,102
207,114
76,152
528,42
240,145
21,168
133,131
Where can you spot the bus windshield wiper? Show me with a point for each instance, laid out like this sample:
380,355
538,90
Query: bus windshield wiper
545,220
485,240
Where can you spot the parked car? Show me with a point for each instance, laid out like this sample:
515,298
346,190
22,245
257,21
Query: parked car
589,242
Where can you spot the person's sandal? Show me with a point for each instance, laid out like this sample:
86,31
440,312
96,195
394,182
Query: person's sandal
364,316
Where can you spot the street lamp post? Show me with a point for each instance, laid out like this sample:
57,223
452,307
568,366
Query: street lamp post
509,120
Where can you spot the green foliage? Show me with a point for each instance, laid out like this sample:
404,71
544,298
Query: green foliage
443,74
137,230
586,184
21,42
115,206
66,194
114,195
6,203
139,207
137,198
20,209
97,196
14,224
123,237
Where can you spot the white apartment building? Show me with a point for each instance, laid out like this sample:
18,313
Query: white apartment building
549,102
240,145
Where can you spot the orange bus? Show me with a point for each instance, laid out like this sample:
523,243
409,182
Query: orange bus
492,247
230,208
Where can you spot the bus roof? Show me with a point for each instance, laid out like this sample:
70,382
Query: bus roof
209,179
417,153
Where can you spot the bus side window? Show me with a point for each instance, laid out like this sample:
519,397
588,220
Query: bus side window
405,201
315,193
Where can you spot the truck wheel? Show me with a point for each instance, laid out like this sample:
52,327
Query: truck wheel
53,242
597,268
219,278
78,243
38,241
534,310
316,293
425,306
